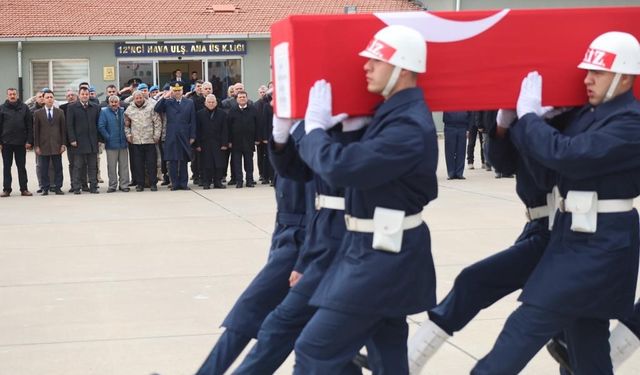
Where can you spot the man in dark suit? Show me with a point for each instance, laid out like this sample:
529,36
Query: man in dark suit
180,134
72,97
212,140
265,127
243,133
82,130
50,139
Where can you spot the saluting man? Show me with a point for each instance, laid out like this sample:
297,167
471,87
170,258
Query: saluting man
180,134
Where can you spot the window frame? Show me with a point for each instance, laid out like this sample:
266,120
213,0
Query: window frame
50,71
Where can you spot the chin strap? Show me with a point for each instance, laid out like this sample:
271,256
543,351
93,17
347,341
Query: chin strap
393,78
612,87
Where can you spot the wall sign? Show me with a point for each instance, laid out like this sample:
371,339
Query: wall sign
181,49
108,73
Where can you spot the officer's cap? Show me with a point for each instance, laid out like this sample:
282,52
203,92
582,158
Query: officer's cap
176,86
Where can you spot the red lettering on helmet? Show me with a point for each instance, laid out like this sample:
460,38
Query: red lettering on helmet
599,58
380,49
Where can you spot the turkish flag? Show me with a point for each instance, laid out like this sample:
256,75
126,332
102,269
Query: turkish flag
476,60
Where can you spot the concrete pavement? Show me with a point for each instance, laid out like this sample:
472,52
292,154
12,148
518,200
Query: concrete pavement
138,283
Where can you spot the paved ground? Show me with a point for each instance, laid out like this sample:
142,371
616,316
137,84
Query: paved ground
137,283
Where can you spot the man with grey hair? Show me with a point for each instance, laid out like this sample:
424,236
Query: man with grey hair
207,89
143,128
262,91
212,138
111,126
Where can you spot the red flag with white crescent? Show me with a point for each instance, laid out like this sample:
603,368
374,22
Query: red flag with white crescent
475,59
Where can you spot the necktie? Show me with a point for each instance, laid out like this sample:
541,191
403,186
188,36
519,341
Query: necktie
49,115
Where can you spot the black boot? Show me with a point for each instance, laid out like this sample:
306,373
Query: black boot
558,350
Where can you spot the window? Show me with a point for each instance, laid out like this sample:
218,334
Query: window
224,73
58,75
142,70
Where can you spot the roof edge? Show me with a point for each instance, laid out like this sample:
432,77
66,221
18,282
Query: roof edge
143,37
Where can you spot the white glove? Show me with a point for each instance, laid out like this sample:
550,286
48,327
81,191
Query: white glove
506,117
281,128
352,124
530,99
318,114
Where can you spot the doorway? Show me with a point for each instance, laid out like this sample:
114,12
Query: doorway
166,69
222,74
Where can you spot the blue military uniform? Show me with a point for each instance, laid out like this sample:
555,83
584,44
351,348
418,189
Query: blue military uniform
367,293
456,125
485,282
476,129
181,127
295,202
583,279
279,331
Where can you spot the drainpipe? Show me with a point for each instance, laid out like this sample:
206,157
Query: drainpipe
20,89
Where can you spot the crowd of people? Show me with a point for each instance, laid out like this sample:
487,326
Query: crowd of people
462,129
148,136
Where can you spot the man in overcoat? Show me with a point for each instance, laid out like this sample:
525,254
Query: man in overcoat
180,134
50,139
243,134
212,139
82,131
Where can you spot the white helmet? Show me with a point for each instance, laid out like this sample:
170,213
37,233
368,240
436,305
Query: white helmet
399,45
615,52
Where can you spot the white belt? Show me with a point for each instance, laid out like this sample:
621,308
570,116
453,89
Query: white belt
539,212
355,224
557,203
605,206
327,201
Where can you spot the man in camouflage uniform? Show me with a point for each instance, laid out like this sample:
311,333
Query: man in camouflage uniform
143,128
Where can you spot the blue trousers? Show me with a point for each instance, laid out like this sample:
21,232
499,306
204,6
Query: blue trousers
266,291
228,347
178,174
332,338
56,160
529,328
487,281
277,335
455,143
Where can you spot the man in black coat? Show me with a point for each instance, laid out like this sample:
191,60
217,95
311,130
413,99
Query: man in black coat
82,128
72,97
16,137
265,127
212,139
243,133
198,96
